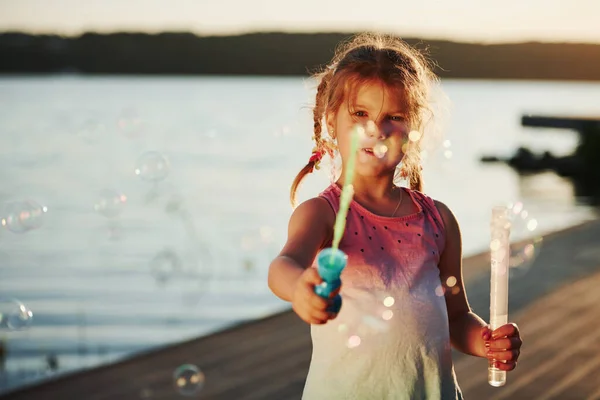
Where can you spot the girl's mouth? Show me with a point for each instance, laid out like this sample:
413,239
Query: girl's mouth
368,151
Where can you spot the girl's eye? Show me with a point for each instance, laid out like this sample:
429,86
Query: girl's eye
397,118
360,114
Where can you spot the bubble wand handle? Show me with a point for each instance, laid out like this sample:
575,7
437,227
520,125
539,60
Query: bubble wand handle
500,254
331,261
330,264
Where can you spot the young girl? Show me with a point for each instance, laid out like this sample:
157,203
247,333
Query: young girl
401,244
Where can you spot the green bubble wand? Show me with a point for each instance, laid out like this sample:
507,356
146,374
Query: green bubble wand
331,261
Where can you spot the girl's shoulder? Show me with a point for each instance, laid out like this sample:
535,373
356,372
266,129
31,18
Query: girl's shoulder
433,209
331,195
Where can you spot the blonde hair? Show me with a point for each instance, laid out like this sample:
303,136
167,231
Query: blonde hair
365,58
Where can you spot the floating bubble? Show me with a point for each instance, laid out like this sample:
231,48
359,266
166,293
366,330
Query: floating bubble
175,206
266,234
165,265
14,315
284,131
110,203
414,136
250,246
371,128
129,123
152,166
370,137
256,247
211,133
451,281
249,266
370,319
90,129
447,286
188,380
23,216
525,239
380,149
199,275
354,341
389,301
387,315
447,149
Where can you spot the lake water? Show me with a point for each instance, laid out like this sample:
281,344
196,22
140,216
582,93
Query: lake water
187,255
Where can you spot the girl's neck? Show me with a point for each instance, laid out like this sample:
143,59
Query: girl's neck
371,188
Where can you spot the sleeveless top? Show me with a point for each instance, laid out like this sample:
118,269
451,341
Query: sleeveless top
391,337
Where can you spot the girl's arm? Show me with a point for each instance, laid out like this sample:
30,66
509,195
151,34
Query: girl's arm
467,330
310,228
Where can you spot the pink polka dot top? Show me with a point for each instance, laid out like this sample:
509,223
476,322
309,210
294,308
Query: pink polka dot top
391,337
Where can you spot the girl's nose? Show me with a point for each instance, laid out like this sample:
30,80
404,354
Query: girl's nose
371,129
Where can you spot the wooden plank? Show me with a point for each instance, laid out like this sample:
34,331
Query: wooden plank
554,356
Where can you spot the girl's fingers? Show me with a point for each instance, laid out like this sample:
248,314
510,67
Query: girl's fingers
320,317
505,366
317,301
506,331
508,355
486,333
511,343
312,277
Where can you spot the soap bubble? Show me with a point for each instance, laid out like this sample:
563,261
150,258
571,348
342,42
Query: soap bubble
380,149
389,301
188,380
367,321
257,247
166,265
110,203
211,133
14,315
525,238
370,137
414,136
90,129
129,123
23,216
284,131
447,152
447,286
152,166
175,206
199,274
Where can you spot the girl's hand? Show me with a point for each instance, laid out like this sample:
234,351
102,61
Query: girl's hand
309,306
503,346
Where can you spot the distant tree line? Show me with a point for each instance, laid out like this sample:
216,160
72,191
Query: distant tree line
277,54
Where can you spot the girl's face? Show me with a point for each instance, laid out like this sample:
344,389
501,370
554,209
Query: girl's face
383,113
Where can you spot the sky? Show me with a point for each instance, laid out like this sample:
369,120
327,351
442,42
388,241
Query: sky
465,20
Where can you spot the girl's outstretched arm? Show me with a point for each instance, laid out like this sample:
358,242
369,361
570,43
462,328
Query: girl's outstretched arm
310,227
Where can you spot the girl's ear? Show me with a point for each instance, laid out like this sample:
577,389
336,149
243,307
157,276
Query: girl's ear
330,121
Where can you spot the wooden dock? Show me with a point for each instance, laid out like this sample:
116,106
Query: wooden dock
579,124
556,304
583,166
